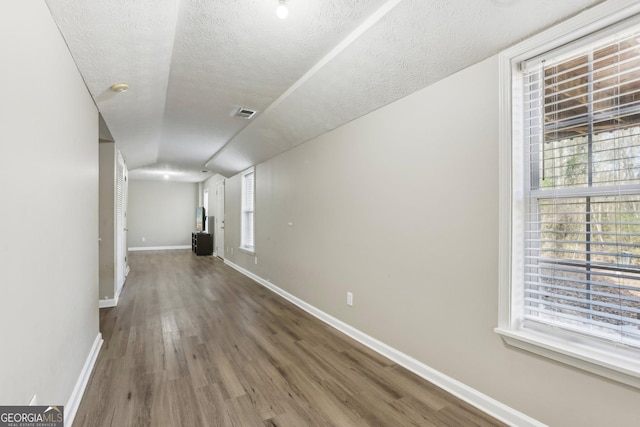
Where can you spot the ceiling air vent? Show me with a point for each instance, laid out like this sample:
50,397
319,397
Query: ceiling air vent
245,113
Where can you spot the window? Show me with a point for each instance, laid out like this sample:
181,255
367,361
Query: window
248,207
570,199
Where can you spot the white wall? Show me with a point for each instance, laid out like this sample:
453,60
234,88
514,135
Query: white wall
49,218
162,212
400,207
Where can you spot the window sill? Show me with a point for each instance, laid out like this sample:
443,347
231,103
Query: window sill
247,250
613,361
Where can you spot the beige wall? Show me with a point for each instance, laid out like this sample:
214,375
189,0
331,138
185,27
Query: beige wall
49,219
162,212
400,207
107,218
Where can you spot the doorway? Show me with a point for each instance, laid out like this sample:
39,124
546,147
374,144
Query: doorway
205,203
121,223
219,221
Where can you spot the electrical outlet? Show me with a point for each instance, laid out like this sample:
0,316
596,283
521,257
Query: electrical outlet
144,239
255,259
350,299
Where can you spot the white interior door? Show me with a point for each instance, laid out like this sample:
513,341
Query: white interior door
205,203
121,252
125,229
219,226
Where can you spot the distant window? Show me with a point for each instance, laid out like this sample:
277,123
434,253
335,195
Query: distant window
573,285
248,207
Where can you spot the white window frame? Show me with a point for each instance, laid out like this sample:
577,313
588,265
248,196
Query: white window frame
244,246
614,361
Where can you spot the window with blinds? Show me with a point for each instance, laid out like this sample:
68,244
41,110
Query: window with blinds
582,225
248,205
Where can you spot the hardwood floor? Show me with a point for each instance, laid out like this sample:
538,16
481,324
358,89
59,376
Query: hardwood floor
195,343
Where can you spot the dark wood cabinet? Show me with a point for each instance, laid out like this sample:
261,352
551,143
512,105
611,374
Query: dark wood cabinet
202,243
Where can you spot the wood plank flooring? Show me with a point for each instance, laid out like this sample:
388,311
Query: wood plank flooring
195,343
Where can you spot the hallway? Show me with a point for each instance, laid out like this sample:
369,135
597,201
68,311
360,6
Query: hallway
192,342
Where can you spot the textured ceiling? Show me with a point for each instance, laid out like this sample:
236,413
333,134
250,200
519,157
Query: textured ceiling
131,41
191,63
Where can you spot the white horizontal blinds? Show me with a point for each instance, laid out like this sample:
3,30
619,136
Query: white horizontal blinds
582,235
248,201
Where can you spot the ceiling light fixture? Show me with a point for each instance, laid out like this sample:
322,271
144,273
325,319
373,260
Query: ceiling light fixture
282,10
119,87
166,176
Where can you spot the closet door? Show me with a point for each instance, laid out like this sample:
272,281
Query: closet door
121,201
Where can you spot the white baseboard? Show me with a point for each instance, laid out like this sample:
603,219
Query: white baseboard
107,303
472,396
72,405
158,248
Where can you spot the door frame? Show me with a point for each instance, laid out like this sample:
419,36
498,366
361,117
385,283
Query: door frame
205,203
219,221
